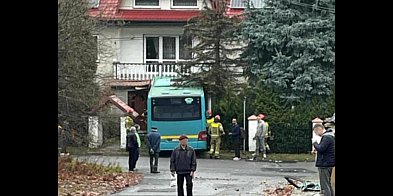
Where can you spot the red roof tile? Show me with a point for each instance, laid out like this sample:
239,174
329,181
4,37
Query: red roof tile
235,11
157,15
109,9
128,83
147,15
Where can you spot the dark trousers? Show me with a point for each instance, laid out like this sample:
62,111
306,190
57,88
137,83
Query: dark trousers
180,182
236,146
325,174
155,156
137,157
132,158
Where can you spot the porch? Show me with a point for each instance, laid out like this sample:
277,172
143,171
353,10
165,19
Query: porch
144,71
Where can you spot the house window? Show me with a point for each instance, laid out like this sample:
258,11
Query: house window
152,48
94,3
184,3
147,3
166,49
185,42
243,3
169,47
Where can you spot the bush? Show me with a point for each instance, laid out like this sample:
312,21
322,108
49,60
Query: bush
111,127
290,138
290,126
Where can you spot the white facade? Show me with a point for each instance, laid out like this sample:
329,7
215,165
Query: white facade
128,45
133,39
108,49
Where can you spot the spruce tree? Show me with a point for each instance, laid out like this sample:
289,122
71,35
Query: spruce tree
215,62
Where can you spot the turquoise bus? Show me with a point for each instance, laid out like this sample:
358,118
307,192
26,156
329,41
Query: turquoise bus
175,111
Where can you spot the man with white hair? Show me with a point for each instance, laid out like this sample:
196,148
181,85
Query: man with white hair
132,148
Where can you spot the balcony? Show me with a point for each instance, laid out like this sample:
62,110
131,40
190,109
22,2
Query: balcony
142,71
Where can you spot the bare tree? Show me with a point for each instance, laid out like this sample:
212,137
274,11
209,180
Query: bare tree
77,55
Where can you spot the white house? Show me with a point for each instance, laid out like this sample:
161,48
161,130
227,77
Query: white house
143,39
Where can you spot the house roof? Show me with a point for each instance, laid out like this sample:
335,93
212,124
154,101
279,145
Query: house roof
127,83
234,11
157,15
110,9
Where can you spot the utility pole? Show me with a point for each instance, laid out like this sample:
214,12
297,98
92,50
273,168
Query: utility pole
244,123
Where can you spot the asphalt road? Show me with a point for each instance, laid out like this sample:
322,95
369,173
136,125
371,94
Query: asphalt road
213,176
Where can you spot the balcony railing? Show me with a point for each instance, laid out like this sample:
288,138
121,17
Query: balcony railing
141,71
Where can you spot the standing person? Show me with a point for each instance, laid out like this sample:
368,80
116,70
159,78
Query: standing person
210,119
132,148
236,139
153,144
260,137
183,162
325,158
329,124
216,130
137,128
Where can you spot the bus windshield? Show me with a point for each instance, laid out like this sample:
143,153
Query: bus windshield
176,108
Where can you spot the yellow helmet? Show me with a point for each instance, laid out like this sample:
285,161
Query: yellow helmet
129,122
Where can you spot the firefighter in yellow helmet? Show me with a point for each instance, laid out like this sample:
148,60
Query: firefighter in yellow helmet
210,119
129,123
216,130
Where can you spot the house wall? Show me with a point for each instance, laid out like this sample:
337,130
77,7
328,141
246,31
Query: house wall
132,42
126,45
108,49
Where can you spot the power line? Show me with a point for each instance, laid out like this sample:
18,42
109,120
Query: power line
314,6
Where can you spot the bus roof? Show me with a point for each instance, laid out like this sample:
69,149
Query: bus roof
163,87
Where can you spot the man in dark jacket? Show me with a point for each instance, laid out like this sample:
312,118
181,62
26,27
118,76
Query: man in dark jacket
325,158
183,162
236,139
132,148
153,144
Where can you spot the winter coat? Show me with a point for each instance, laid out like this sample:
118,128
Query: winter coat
153,141
183,161
326,150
